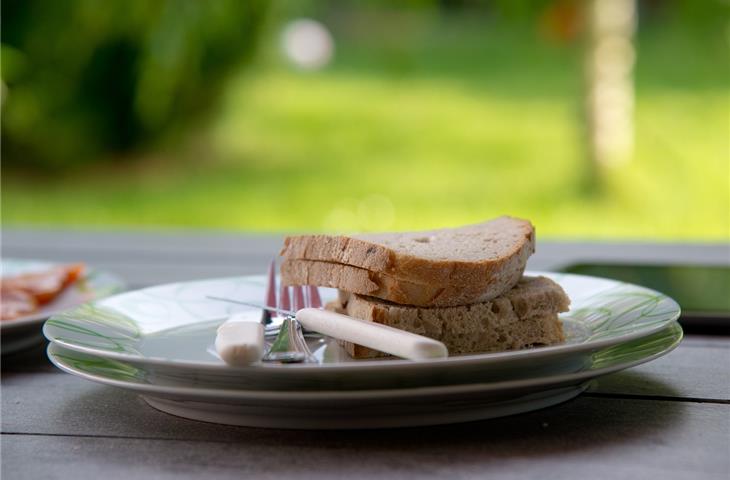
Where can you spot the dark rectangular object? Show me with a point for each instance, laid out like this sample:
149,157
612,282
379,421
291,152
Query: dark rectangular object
702,291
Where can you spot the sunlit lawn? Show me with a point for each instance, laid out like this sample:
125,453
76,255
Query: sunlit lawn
438,133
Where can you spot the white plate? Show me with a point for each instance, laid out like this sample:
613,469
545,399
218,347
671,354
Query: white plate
364,408
23,332
170,329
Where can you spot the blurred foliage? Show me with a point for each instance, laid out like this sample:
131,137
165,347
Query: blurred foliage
432,113
509,11
83,78
417,134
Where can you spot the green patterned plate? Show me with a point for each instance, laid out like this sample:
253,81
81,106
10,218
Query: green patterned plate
375,408
171,329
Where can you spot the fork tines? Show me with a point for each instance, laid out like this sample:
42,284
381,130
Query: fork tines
297,298
313,298
289,298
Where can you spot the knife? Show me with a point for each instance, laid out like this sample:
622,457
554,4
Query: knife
369,334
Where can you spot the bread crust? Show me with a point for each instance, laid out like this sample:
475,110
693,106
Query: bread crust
454,256
385,286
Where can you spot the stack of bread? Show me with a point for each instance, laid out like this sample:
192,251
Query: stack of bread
462,286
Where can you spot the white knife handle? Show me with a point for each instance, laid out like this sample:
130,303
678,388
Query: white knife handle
240,342
373,335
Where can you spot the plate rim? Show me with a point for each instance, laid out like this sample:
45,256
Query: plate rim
461,360
483,387
119,286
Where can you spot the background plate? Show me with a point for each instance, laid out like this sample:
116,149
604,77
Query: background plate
24,332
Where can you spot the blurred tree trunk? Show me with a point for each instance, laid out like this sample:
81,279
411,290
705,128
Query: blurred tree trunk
609,94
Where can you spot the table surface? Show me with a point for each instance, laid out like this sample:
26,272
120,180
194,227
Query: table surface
666,419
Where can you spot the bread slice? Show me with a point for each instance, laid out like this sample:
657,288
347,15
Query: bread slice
525,316
387,287
493,252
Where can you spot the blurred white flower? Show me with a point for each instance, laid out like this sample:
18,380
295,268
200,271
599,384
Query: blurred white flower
308,44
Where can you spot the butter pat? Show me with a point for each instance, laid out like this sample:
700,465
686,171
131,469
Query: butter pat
240,343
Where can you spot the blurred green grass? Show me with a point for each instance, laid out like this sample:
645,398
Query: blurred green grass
441,130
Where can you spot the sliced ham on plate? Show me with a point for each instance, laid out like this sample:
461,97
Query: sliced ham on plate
24,294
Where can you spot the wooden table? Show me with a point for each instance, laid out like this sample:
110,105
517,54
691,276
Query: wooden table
666,419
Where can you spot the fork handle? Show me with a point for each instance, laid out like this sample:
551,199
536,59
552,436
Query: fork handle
373,335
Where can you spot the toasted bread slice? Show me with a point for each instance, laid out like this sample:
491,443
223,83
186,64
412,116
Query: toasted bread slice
387,287
489,252
525,316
